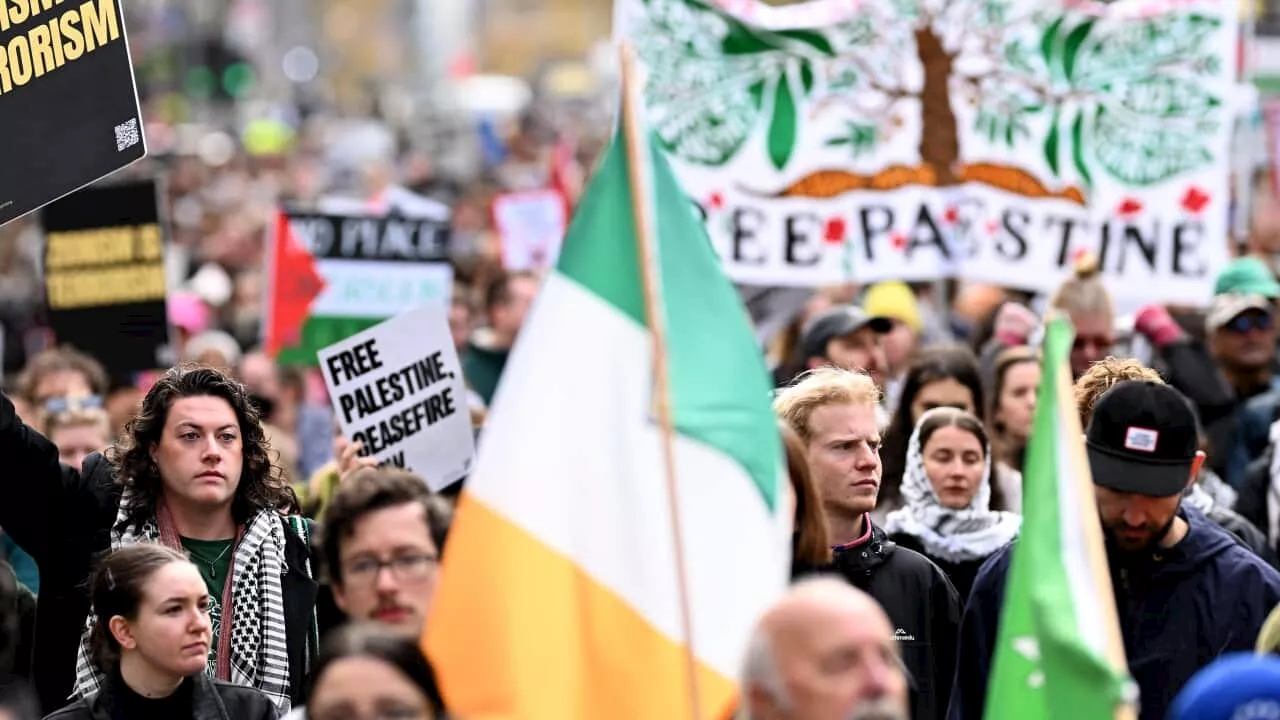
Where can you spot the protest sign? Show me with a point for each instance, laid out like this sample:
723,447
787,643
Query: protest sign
332,276
398,389
68,105
531,225
104,275
995,140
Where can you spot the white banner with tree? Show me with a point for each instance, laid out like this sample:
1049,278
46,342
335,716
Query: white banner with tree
991,139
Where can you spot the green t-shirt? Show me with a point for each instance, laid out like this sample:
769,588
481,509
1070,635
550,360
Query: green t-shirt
213,558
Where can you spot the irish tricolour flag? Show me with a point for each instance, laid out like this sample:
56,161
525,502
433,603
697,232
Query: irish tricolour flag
1059,655
567,592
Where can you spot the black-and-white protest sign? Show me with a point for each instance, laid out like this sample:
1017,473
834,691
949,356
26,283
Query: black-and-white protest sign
398,389
68,104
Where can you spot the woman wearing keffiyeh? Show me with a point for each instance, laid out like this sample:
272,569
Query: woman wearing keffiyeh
947,491
193,472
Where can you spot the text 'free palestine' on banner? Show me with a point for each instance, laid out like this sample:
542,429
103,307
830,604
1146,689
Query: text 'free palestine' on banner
398,389
993,140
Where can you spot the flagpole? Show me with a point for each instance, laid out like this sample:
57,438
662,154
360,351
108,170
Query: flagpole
642,209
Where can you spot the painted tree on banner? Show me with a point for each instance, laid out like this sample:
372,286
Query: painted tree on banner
1128,99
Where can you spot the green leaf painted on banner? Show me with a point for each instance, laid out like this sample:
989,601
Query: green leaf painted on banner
1049,40
811,38
1077,150
1141,155
1138,49
806,77
1071,47
782,128
1166,96
1051,155
859,138
742,40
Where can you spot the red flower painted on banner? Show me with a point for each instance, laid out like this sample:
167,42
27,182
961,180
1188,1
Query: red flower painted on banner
833,231
1194,200
1129,207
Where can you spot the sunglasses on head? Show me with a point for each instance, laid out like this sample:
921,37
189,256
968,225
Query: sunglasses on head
56,405
1249,321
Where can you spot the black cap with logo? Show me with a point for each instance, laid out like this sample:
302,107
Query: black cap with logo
1142,439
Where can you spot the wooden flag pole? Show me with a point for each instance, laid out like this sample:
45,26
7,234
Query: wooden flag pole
646,248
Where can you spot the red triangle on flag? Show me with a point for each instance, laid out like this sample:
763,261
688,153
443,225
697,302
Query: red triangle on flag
293,285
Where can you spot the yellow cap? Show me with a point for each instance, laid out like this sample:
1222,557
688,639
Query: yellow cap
893,299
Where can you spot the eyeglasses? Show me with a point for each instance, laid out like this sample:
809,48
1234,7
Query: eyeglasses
1249,321
405,568
58,405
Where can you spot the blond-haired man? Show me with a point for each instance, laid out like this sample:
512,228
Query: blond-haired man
834,412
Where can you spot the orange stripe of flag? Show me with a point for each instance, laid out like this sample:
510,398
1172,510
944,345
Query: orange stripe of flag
520,631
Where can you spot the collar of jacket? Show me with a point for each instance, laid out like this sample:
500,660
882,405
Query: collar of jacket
868,555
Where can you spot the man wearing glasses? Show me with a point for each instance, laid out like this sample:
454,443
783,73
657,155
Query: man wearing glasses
383,532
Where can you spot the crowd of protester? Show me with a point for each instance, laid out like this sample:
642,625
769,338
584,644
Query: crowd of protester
202,541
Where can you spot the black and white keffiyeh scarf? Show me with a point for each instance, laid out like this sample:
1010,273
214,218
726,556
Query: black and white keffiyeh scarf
971,533
252,649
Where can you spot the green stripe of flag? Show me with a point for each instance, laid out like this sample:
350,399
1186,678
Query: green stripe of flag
718,381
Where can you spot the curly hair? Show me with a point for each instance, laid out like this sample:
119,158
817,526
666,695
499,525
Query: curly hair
262,482
1104,375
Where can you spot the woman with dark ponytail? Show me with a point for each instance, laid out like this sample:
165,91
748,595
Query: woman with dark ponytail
150,637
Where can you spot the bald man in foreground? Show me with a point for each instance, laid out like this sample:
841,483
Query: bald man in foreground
825,651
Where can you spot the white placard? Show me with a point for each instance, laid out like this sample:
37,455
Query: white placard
398,388
531,225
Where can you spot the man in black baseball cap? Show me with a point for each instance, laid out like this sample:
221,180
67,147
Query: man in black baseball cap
848,338
1185,589
1143,448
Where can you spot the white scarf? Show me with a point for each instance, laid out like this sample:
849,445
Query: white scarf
259,655
971,533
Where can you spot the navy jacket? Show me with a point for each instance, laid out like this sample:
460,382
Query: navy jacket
1206,596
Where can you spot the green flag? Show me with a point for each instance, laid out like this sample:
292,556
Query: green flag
1059,654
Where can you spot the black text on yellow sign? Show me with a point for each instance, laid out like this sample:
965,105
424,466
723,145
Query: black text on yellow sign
55,36
104,266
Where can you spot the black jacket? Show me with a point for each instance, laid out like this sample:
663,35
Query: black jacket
921,604
1204,597
961,574
210,700
63,519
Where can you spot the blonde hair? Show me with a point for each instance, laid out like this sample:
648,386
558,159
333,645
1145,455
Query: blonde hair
820,387
1104,375
1084,292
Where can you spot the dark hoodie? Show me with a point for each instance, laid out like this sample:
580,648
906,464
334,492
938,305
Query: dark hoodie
921,604
1206,596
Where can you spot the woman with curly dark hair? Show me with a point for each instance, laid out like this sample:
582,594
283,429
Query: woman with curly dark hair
193,472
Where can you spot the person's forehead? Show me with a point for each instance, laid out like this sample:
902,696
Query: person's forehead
62,382
202,410
843,418
397,525
953,436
